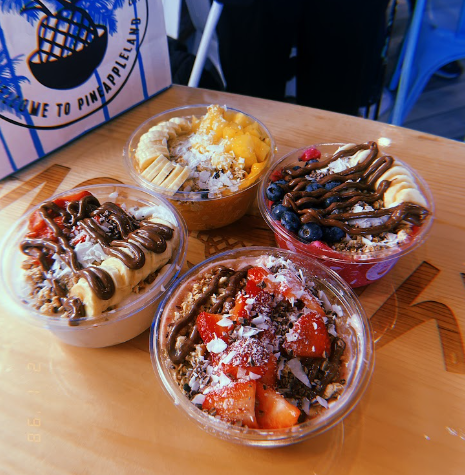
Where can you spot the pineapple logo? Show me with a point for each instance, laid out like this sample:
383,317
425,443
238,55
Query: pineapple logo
70,45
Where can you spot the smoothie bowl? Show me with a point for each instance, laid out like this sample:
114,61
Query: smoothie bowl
207,160
352,207
91,264
261,346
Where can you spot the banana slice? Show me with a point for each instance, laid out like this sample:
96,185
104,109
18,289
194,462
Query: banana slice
154,169
148,153
176,178
413,195
360,156
163,173
393,172
125,279
182,124
182,177
402,188
391,192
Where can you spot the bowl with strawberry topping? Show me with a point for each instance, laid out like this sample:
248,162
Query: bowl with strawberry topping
91,264
352,206
261,346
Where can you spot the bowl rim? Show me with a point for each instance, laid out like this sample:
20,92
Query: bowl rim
270,437
11,239
346,257
189,195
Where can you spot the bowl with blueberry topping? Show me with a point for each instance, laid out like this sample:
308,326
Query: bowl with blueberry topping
91,264
353,207
262,346
207,160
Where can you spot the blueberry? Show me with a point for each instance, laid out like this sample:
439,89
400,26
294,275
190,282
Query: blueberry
296,167
313,186
204,195
280,182
278,210
274,192
310,232
332,184
290,221
331,199
333,234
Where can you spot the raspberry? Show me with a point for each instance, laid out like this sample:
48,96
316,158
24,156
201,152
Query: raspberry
310,154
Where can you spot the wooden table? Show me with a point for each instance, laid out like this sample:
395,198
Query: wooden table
69,410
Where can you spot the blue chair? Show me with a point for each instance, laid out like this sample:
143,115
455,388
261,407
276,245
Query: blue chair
431,42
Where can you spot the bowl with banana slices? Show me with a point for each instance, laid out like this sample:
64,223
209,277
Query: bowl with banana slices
352,206
207,160
91,264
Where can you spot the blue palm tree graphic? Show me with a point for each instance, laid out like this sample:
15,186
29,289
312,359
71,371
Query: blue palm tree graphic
102,12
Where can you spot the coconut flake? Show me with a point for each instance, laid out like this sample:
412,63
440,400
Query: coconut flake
198,399
194,383
323,402
217,345
224,380
224,322
306,405
253,375
296,368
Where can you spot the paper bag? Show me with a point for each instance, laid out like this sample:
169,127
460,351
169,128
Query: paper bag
67,66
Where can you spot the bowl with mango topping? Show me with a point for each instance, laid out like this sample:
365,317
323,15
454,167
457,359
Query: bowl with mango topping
207,160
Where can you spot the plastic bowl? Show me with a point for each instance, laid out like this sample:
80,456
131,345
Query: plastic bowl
356,269
352,325
201,210
128,319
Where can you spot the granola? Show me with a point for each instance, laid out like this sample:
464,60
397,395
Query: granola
261,330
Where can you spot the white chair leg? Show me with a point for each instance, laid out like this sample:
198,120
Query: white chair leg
210,26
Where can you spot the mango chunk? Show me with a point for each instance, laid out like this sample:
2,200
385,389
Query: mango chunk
242,120
231,130
254,129
261,149
255,171
243,146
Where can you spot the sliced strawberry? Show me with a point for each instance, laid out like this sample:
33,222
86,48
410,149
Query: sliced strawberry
63,202
43,231
309,337
239,310
38,226
207,324
292,288
273,411
255,277
249,355
234,403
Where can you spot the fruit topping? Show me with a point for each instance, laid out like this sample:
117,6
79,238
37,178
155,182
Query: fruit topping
266,351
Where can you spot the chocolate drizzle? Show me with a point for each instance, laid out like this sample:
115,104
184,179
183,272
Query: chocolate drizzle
234,285
357,185
126,240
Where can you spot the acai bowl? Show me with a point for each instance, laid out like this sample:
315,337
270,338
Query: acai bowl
353,207
207,160
91,264
262,347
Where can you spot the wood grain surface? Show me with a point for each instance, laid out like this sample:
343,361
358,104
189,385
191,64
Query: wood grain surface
69,410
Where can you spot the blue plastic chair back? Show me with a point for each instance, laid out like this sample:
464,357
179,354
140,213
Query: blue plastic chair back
434,38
